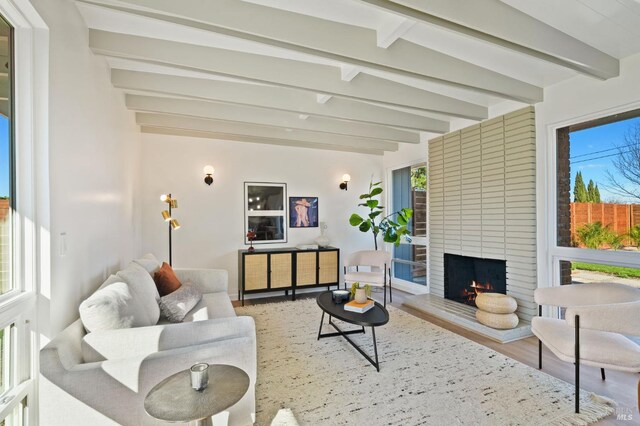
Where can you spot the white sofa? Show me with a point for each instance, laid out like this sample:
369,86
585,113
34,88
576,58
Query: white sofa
102,377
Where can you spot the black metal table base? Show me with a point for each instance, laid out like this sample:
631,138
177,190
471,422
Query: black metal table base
345,334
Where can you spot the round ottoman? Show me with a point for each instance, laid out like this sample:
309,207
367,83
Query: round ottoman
499,321
496,303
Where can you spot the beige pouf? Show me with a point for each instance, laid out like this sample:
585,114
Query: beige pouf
499,321
496,303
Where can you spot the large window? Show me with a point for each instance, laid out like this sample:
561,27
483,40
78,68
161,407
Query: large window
598,201
18,219
6,156
409,189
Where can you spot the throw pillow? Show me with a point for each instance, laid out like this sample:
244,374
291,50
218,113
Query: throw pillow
176,305
144,292
109,308
166,280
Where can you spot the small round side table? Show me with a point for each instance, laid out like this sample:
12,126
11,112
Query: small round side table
174,400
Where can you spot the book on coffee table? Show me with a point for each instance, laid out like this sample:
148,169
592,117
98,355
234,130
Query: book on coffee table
360,308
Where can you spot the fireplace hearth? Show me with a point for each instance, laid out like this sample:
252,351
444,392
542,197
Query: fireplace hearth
465,277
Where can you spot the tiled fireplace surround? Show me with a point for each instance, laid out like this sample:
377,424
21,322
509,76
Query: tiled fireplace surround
482,202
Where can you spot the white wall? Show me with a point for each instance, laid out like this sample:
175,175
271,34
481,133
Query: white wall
93,155
212,217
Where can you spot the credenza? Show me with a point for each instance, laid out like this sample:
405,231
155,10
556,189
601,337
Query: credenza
287,269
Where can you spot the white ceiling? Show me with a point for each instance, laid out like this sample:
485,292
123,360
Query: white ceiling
355,75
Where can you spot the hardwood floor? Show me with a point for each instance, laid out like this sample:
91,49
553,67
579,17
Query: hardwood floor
622,387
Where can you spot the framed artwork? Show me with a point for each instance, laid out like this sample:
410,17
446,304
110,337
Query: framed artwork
265,212
303,212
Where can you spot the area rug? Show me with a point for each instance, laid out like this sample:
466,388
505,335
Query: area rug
428,376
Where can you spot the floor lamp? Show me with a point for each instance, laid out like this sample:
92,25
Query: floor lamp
173,223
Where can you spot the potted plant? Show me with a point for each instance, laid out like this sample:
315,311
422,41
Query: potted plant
393,231
360,294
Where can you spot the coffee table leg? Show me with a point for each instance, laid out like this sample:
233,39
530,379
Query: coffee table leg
320,329
203,422
375,348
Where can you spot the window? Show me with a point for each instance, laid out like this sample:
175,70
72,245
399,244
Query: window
6,156
409,189
598,201
598,172
21,236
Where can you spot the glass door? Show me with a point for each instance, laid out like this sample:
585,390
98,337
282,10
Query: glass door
409,189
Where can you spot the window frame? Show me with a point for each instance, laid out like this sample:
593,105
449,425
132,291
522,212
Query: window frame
30,216
548,178
405,285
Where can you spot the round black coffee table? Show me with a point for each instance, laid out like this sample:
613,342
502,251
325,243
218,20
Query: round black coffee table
373,318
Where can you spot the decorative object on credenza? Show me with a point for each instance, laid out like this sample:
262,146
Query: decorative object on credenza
265,212
346,178
341,296
199,376
393,231
208,172
167,216
496,310
303,212
322,240
251,235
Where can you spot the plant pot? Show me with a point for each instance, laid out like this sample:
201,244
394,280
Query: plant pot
360,296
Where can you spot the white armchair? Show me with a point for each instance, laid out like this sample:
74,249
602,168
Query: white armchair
379,263
598,318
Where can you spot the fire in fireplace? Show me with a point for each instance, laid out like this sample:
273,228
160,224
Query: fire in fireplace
465,277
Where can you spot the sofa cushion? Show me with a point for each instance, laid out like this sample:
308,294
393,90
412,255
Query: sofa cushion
112,279
212,305
176,305
143,290
111,307
166,280
148,262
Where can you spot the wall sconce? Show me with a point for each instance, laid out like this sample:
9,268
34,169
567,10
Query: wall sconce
173,223
208,171
346,178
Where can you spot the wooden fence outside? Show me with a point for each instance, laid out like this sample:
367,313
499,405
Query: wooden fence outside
618,217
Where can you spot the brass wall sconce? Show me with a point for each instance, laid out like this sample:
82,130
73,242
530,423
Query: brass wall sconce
346,178
208,171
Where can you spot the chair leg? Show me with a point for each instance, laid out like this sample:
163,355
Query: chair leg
390,291
604,377
384,290
539,354
539,343
577,363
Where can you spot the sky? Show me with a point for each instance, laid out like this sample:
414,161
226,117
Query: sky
4,156
593,152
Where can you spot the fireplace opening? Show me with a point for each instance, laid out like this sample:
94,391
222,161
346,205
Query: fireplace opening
465,277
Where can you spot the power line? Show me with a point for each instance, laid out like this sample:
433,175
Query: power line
605,150
603,156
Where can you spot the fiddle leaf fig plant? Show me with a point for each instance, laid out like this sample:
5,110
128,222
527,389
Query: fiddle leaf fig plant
393,231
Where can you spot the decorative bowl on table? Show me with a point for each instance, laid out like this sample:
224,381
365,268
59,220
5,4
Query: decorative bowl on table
340,296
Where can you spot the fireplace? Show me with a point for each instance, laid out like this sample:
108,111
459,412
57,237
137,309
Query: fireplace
465,277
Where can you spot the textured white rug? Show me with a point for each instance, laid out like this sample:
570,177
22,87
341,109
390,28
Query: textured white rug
428,376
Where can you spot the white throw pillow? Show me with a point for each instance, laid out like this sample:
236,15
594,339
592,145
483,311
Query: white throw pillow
143,290
109,308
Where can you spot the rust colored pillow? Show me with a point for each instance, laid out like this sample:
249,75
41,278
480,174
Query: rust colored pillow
166,280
